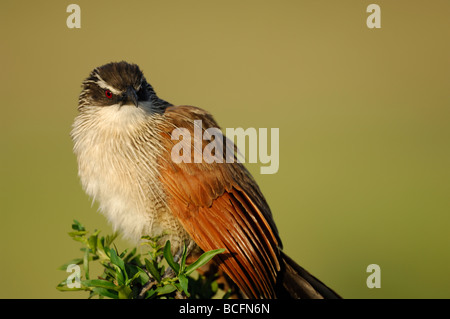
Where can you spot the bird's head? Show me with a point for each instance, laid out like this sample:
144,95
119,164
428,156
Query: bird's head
118,83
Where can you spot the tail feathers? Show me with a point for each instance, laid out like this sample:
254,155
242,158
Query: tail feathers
295,282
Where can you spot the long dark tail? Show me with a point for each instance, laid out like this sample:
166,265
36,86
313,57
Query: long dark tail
296,282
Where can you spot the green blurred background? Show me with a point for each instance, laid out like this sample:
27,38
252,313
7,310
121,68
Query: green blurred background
364,119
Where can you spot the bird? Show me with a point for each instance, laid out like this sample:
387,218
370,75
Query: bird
123,141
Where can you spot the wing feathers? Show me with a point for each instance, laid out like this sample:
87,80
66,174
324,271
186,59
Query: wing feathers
220,206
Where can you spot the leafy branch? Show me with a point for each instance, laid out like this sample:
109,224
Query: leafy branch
128,275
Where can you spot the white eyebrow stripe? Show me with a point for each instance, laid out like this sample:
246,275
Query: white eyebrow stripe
101,83
140,84
139,87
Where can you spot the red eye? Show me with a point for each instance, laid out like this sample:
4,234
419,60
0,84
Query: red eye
108,94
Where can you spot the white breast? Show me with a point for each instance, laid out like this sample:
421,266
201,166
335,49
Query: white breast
117,165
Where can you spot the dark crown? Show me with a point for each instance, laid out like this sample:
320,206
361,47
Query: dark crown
120,75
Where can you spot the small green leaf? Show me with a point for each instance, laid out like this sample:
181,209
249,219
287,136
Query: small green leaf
99,283
202,260
169,258
116,259
152,270
86,264
77,233
80,239
167,289
77,225
184,284
92,243
143,277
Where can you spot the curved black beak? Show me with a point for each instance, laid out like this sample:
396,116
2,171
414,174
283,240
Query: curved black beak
130,96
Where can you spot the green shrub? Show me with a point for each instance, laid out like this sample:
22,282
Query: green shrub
129,275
